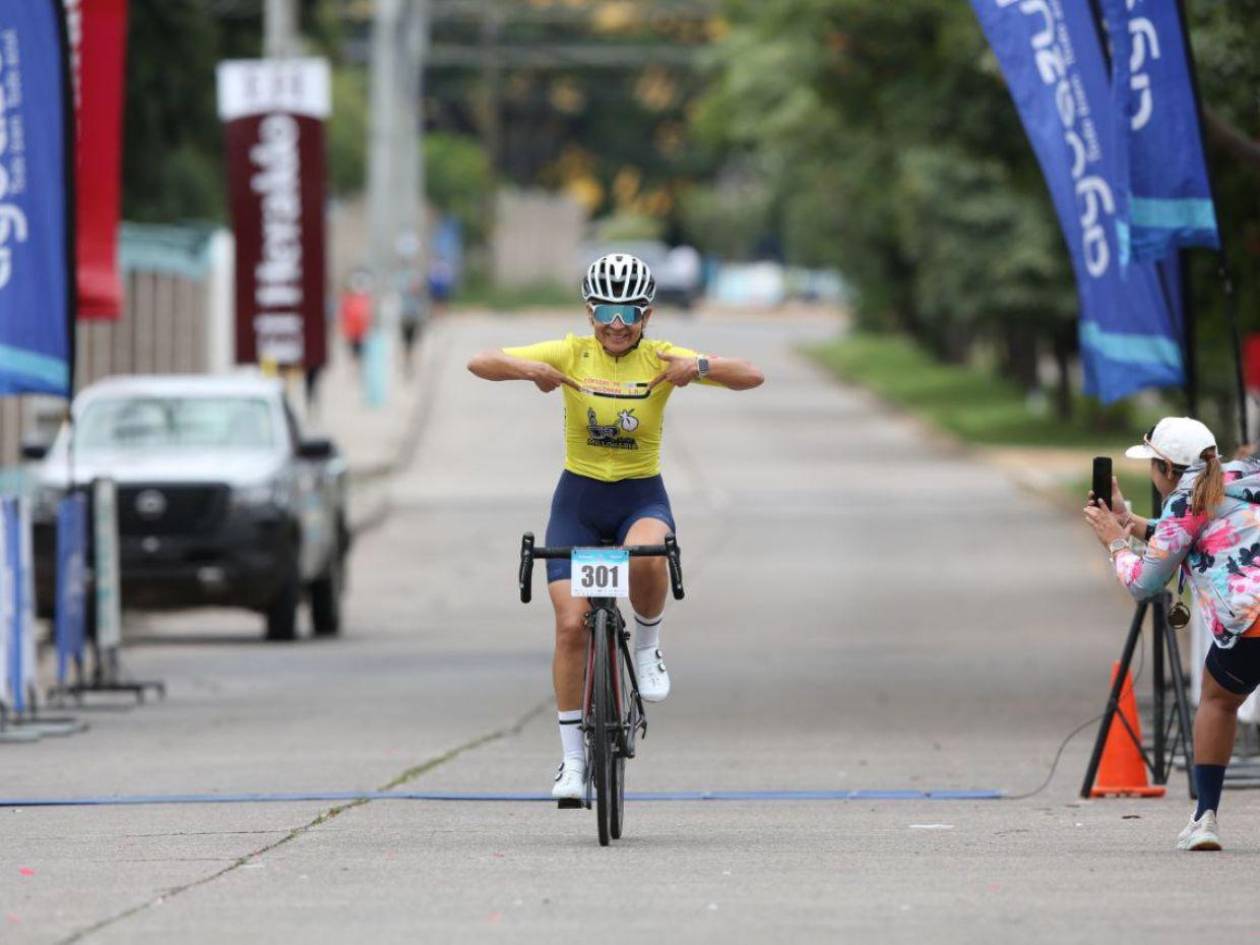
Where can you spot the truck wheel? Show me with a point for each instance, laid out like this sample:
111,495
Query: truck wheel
282,613
326,599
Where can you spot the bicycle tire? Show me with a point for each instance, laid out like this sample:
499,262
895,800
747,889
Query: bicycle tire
601,737
618,698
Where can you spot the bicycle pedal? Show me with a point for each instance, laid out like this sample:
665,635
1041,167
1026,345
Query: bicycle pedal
569,803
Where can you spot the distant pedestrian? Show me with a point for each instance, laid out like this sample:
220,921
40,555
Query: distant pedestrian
441,284
311,385
411,317
355,312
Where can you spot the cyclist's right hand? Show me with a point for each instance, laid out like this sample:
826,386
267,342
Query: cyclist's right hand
546,378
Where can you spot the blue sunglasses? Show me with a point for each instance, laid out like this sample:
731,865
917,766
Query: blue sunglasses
629,314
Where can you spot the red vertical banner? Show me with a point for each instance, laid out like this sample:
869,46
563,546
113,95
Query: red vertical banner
274,112
98,49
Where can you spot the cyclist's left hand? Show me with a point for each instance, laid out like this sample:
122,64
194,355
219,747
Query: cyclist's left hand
678,371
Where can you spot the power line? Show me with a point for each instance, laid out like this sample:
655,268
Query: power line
443,11
551,55
564,55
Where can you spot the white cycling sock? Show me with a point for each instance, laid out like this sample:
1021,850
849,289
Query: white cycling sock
571,734
647,631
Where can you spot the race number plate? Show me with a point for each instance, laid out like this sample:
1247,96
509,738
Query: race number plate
600,572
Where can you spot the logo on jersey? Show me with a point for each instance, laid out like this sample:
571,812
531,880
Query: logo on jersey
620,390
609,435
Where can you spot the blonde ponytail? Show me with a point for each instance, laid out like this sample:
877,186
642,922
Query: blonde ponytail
1209,488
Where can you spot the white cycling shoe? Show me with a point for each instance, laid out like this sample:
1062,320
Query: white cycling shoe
570,786
652,675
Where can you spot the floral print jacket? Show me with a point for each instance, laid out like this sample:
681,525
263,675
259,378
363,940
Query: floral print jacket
1219,553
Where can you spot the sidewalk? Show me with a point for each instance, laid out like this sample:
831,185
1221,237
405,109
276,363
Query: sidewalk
375,440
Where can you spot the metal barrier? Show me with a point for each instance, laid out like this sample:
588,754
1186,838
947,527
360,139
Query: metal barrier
20,717
100,621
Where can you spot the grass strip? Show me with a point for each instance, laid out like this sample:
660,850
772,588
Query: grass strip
981,409
972,403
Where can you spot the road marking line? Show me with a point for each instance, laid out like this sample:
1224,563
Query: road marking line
360,797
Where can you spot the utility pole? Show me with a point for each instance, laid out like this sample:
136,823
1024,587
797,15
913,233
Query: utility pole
409,206
395,201
280,35
491,124
381,139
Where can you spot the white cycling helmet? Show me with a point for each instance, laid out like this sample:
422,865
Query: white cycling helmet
619,277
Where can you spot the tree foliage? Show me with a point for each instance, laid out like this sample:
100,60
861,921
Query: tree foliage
173,156
891,149
347,132
614,136
457,178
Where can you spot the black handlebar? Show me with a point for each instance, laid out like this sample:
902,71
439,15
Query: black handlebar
669,551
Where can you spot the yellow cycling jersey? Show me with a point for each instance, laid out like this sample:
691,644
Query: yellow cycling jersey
612,426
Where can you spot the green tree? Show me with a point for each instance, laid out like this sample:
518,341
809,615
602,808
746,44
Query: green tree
457,178
348,132
894,153
173,153
172,141
1225,37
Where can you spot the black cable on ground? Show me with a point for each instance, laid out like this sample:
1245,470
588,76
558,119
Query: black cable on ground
1054,765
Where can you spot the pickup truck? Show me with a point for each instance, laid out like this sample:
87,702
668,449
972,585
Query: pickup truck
220,501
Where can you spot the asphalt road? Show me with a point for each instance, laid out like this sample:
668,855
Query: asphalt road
867,609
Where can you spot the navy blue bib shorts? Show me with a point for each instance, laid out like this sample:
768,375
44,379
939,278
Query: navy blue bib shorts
586,512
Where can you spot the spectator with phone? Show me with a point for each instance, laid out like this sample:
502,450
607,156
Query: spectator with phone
1209,530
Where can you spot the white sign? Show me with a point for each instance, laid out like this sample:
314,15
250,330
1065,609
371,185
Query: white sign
108,588
600,572
261,86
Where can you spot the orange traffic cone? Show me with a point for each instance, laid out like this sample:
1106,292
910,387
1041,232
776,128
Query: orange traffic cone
1122,773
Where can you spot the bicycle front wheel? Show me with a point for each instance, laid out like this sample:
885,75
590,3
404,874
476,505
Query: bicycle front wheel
622,735
600,732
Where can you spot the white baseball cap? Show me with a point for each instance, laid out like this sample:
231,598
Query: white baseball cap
1178,440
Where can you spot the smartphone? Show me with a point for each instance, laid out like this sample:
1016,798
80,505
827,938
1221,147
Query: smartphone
1102,479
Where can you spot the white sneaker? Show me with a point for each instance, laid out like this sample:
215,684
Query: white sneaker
570,782
652,675
1200,834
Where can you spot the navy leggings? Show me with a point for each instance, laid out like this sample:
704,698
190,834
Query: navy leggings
585,512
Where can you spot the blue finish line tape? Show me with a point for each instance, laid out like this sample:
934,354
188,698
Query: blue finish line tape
134,800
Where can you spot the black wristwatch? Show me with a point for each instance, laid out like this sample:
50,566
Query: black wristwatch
702,367
1150,531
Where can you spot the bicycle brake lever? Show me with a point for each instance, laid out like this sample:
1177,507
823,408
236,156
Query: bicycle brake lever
526,576
674,557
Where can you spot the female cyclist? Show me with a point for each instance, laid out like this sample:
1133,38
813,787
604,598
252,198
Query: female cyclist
1209,529
616,383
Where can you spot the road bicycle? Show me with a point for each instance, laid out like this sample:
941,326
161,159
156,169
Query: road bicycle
612,710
